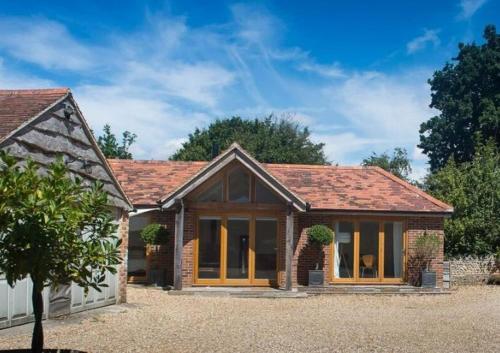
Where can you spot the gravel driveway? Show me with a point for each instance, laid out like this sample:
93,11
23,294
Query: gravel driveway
468,320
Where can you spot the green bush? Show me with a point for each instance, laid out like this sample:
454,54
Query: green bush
320,235
154,233
427,247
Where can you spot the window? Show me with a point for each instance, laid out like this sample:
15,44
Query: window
239,186
263,194
212,194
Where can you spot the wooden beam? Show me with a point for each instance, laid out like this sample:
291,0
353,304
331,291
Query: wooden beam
289,247
179,240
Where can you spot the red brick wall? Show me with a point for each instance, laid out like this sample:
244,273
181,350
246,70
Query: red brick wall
122,271
305,257
416,227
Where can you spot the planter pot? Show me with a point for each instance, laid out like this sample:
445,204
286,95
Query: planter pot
428,279
157,277
316,278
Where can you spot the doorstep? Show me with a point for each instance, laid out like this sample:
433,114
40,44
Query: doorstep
371,289
238,292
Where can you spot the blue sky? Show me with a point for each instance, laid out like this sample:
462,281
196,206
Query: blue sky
355,72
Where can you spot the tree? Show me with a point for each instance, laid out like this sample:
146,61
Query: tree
398,164
473,188
269,140
110,147
467,94
53,229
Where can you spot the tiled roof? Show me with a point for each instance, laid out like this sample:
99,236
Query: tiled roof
324,187
19,106
145,182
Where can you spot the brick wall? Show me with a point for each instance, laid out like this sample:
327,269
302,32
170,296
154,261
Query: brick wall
122,271
416,227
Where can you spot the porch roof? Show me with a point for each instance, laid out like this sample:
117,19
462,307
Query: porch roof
325,188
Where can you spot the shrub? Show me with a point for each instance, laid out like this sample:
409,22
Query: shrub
426,248
319,235
154,233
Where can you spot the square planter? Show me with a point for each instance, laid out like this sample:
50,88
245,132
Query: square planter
428,279
157,277
316,278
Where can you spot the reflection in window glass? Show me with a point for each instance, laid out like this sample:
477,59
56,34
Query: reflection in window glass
265,248
212,194
344,250
393,249
368,250
209,248
263,194
239,186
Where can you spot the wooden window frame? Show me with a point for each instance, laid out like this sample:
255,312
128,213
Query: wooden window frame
356,221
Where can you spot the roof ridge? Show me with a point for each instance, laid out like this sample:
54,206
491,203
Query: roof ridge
153,161
61,90
413,188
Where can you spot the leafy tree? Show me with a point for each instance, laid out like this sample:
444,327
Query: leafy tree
473,188
269,140
398,164
110,147
467,93
53,229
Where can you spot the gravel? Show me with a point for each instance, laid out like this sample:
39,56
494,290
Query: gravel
468,320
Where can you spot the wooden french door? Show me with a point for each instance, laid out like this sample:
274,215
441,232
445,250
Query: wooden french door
368,251
237,250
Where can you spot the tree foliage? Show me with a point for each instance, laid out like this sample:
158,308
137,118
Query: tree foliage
398,164
467,94
473,188
154,233
53,229
110,146
269,140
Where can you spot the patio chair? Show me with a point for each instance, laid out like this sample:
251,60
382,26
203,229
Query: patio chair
368,263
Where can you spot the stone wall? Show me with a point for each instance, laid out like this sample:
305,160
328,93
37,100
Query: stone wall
470,270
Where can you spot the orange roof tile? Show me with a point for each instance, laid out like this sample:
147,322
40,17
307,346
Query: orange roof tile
324,187
19,106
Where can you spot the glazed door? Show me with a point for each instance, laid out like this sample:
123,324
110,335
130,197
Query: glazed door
236,250
368,251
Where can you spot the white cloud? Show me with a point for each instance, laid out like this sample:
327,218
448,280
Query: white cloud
43,42
157,123
165,80
469,7
340,148
12,79
430,36
388,106
329,71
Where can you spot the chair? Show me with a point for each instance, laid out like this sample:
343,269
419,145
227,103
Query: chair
368,263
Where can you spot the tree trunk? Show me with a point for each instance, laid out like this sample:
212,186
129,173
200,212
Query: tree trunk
37,299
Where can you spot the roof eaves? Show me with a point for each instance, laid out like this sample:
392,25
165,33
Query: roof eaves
446,208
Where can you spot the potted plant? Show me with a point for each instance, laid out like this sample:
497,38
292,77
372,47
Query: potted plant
426,248
318,236
154,235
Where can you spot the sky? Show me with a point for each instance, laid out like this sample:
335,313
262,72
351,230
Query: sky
354,72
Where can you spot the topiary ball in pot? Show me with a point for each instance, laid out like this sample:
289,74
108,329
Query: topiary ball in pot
318,236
